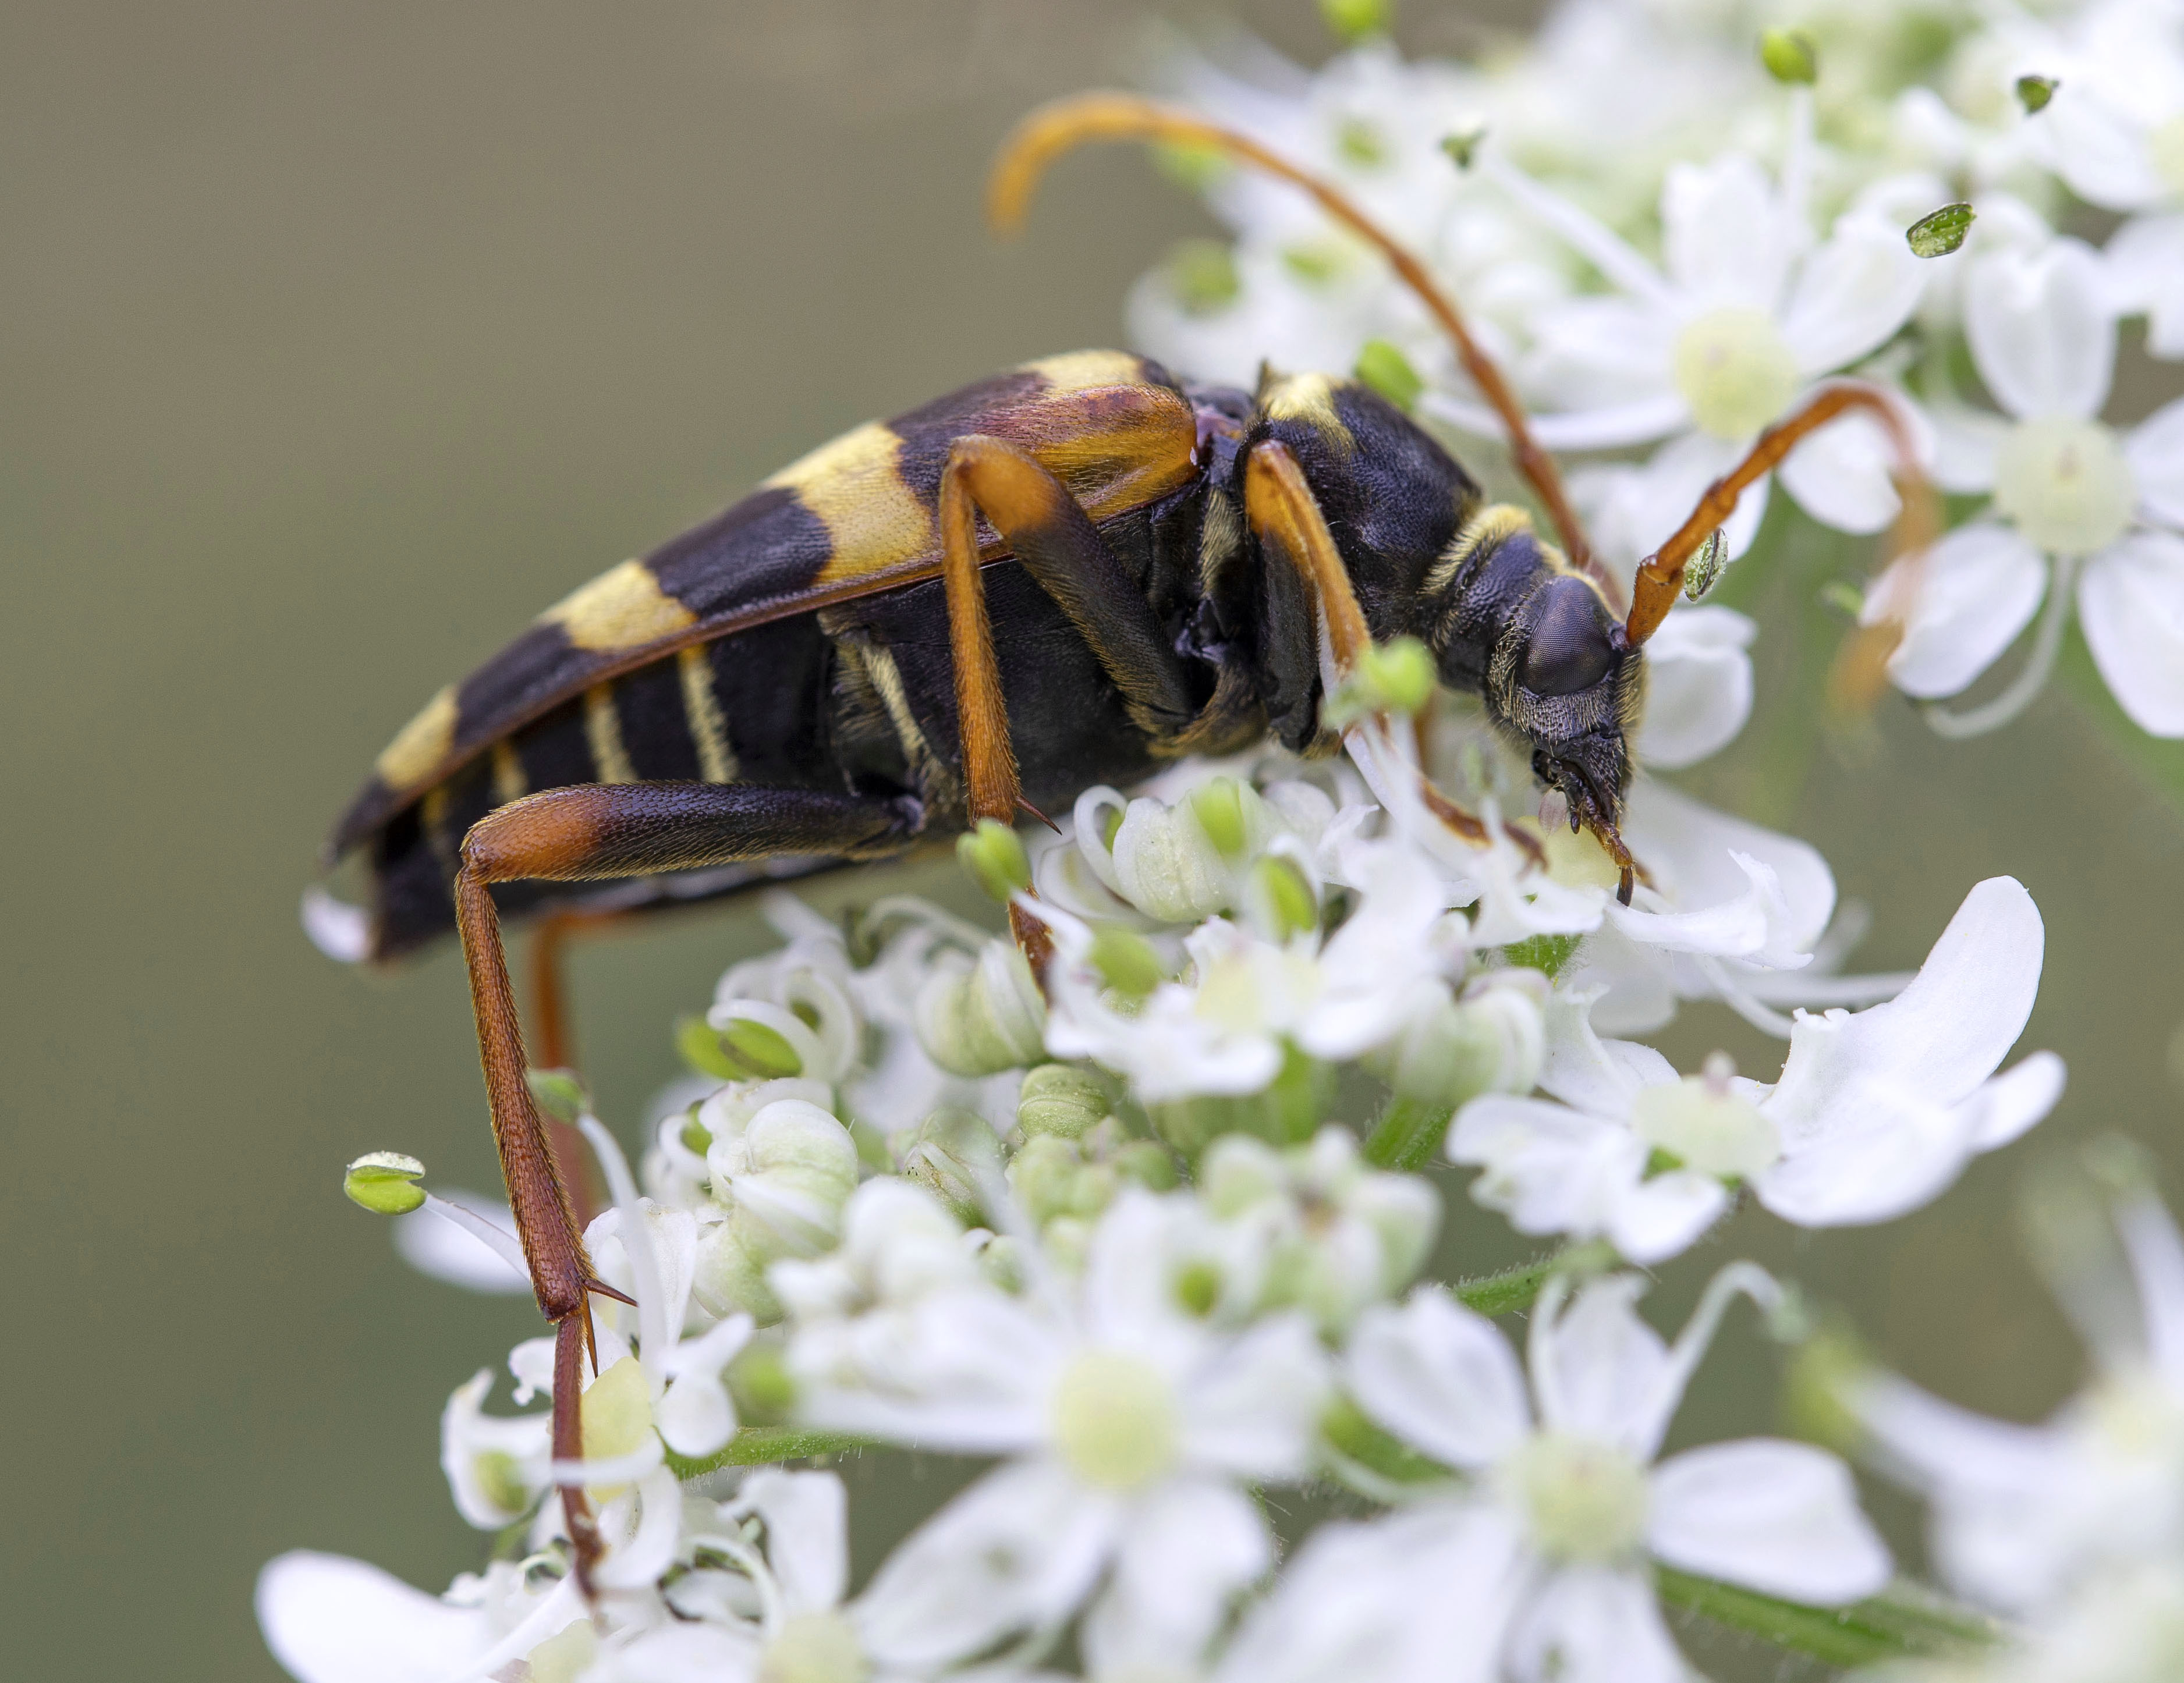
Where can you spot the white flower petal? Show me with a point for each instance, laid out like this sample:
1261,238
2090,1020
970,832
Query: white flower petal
1724,233
1598,1370
1780,1518
1850,296
1252,1407
1586,1072
1944,1033
1690,849
330,1619
1962,603
2041,329
1965,443
2145,274
2131,602
1698,686
807,1533
2099,150
1548,1170
1021,1548
1842,476
677,1652
1755,926
2003,1107
1886,1151
436,1246
2155,450
1440,1377
1665,1216
1420,1597
1594,1625
1184,1553
695,1416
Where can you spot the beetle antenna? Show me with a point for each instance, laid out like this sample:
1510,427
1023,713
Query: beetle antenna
1860,669
1057,128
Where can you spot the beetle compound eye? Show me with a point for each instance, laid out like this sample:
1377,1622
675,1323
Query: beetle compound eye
1568,649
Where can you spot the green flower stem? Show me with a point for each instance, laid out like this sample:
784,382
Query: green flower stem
758,1446
1406,1133
1903,1621
1516,1288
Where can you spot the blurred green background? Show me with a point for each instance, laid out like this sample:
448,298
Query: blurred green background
336,341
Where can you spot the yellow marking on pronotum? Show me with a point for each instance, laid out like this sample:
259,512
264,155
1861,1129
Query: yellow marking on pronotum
855,488
418,749
1078,371
701,708
508,781
602,733
1310,398
623,607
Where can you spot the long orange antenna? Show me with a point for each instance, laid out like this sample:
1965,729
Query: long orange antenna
1054,129
1661,574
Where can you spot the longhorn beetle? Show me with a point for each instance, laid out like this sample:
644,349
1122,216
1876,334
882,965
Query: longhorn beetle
1060,576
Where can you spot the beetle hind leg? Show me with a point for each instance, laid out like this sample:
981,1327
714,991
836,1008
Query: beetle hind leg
595,832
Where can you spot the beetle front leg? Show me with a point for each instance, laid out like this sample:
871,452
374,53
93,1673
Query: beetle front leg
590,831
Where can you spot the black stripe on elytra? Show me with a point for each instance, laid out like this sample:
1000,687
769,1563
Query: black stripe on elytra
929,430
768,545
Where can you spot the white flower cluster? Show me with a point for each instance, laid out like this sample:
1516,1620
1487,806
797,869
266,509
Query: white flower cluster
1152,1233
1666,246
1116,1235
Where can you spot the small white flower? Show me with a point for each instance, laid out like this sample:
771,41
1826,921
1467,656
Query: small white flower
2075,502
1130,1424
1721,342
1566,1504
2023,1514
331,1619
1873,1115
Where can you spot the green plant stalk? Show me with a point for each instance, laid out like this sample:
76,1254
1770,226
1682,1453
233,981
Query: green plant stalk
1405,1137
757,1446
1902,1622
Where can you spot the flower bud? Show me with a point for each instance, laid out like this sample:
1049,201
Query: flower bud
1173,862
1050,1178
1396,676
1059,1099
979,1017
1148,1162
1350,21
1281,898
384,1182
1453,1050
786,1175
558,1092
1790,56
993,854
1125,960
1388,371
950,1153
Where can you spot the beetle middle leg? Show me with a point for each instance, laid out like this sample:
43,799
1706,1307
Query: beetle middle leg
1055,541
587,832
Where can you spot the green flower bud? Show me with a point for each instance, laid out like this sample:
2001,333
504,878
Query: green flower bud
1281,896
1060,1100
1000,1259
700,1047
1396,676
1940,232
1050,1178
1350,21
764,1389
2033,92
993,854
1201,275
949,1153
384,1182
1149,1164
558,1092
759,1053
1790,56
1360,144
1218,807
978,1017
1126,961
1388,371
